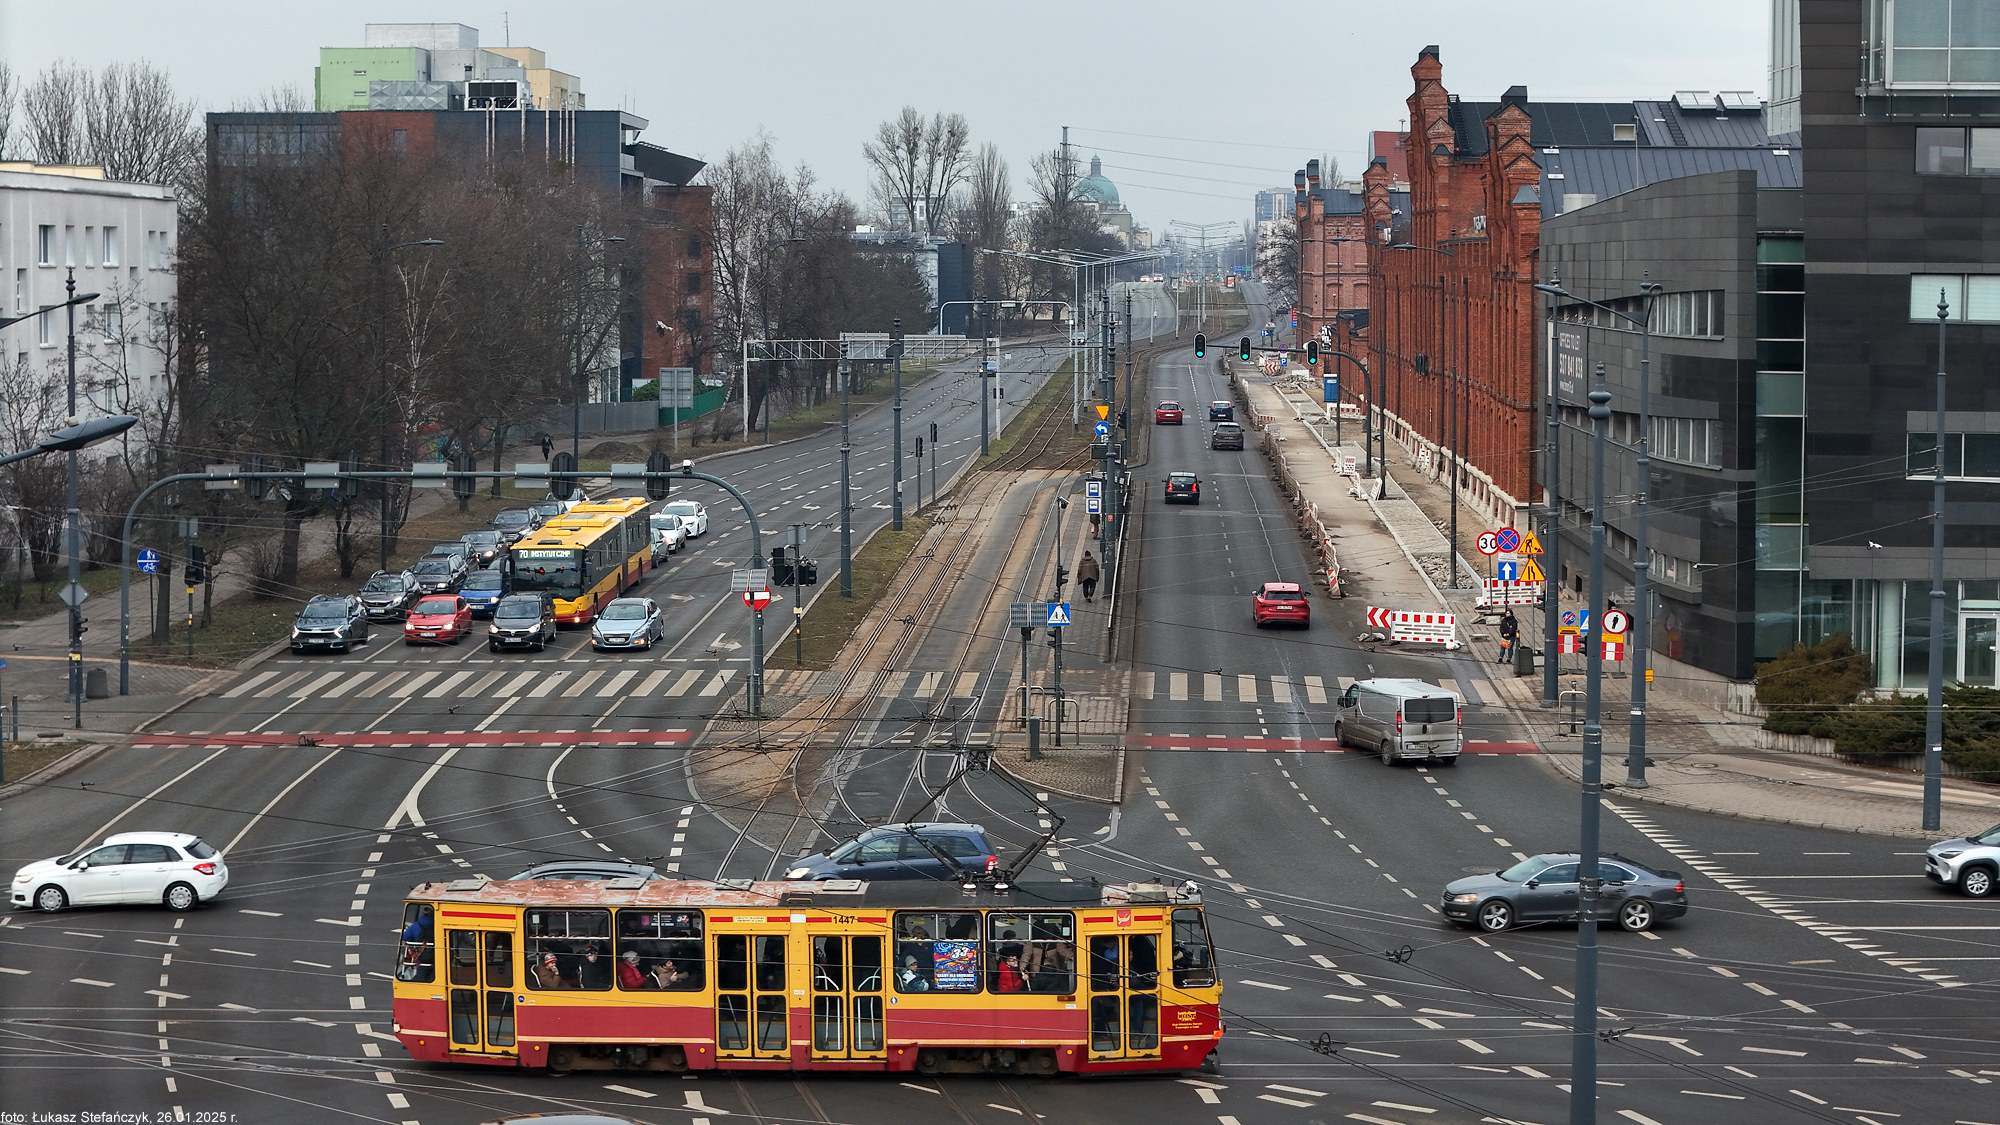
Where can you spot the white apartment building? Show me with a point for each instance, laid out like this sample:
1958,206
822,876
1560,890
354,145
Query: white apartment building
118,239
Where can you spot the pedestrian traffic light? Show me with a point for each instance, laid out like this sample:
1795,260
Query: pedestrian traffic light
1312,353
197,565
1200,345
1243,350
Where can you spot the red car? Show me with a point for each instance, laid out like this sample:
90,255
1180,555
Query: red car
1167,414
1282,601
438,619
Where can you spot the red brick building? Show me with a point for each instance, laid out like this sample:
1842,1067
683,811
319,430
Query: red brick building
1452,309
1333,254
677,288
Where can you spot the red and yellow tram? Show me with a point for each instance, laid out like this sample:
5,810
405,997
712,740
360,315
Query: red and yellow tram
674,975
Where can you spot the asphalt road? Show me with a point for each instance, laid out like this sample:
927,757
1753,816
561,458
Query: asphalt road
1818,977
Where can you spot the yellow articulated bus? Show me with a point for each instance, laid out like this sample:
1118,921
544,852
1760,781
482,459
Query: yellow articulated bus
585,557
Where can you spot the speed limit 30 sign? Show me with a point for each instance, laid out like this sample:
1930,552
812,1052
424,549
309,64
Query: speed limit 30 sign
1489,543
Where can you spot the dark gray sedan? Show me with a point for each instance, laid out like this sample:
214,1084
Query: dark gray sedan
1544,888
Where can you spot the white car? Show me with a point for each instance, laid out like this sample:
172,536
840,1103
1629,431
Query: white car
667,540
171,868
693,516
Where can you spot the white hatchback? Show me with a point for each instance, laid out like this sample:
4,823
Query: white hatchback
173,869
693,516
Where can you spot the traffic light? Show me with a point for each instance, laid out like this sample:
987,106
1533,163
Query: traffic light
1200,345
1062,578
1243,350
1312,353
197,565
657,488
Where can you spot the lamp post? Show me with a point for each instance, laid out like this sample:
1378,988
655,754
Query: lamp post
1934,682
1642,608
382,372
1583,1018
1444,404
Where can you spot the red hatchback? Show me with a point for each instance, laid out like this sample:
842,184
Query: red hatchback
1168,414
438,619
1282,601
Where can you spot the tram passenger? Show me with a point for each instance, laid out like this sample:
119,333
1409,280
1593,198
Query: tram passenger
1056,971
665,975
595,971
912,979
546,973
1008,977
629,976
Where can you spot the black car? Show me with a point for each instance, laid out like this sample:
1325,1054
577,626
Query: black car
330,621
1183,488
1226,435
901,851
438,574
388,595
588,869
483,590
1221,410
484,546
522,621
548,509
514,523
1544,888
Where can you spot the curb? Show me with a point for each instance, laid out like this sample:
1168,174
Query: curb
1117,781
81,756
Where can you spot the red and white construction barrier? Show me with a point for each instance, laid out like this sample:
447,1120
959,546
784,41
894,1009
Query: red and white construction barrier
1406,625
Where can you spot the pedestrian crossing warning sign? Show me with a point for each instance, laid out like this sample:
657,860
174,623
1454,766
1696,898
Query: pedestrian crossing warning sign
1530,546
1530,572
1058,614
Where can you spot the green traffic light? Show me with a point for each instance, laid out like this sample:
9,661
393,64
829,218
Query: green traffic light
1312,353
1200,345
1243,350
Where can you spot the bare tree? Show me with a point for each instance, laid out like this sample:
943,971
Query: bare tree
53,106
986,216
288,98
918,163
1278,259
9,94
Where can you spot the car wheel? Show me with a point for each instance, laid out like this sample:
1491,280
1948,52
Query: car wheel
1339,735
1635,915
492,647
50,899
408,643
1388,752
1494,915
1976,882
180,898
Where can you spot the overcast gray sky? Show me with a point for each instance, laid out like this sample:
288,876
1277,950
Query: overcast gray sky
1194,105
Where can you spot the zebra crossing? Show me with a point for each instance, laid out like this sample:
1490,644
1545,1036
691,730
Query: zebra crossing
473,683
1216,687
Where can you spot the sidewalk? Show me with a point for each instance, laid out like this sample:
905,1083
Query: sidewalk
1701,757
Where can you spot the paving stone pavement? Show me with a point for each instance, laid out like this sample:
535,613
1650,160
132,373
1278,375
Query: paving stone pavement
1703,757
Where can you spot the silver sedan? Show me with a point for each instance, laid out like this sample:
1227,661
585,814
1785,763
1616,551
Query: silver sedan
629,623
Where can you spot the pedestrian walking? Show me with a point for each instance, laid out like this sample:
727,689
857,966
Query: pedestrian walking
1510,634
1086,575
548,446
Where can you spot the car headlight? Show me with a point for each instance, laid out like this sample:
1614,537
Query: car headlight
1949,855
799,873
1462,898
24,877
493,629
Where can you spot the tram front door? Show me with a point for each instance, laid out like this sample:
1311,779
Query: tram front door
480,979
1124,996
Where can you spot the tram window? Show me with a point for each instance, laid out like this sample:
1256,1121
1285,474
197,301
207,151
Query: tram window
1194,962
416,960
1143,961
732,963
771,963
569,949
1043,948
937,951
463,946
867,964
829,961
666,945
499,960
1104,971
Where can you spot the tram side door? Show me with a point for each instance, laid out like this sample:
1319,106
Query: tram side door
1124,970
752,995
480,977
848,982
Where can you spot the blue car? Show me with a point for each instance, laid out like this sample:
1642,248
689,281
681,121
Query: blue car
483,590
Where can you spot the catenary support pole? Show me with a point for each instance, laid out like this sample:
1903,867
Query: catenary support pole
1583,1020
1642,564
896,419
846,377
1934,686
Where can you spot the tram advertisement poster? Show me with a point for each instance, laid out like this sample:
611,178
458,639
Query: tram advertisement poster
957,965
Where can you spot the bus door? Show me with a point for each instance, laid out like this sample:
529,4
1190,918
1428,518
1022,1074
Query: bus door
848,980
1124,971
480,981
752,995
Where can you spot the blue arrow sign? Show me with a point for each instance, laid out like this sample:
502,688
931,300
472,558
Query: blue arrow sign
1507,570
149,561
1103,429
1058,614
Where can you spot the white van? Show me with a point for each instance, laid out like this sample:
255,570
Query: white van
1401,720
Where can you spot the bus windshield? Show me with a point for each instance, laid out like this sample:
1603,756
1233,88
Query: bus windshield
558,571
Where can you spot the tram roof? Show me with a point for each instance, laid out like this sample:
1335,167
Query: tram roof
833,894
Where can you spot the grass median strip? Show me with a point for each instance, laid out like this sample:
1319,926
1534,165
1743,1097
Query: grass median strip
832,620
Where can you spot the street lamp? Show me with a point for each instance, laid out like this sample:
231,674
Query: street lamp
73,593
1583,1019
1934,681
382,372
1642,610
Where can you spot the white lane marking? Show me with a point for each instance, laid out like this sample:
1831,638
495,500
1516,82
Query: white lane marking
651,683
549,779
445,686
408,805
246,685
548,685
1211,687
688,679
307,689
339,690
1177,686
280,685
99,834
520,681
268,805
722,677
1315,690
582,682
612,685
1246,688
1281,689
409,687
1262,984
497,712
381,685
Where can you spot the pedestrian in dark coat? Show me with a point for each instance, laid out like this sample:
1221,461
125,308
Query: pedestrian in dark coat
1087,573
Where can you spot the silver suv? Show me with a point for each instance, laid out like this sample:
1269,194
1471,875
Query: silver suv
1970,863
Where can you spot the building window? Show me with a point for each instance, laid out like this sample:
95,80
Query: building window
113,323
1974,298
111,246
69,245
1937,43
1958,152
45,246
1690,441
694,246
89,243
1696,314
20,290
691,284
45,328
1966,456
691,321
1675,571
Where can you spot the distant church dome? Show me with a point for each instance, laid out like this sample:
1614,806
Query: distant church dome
1094,188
